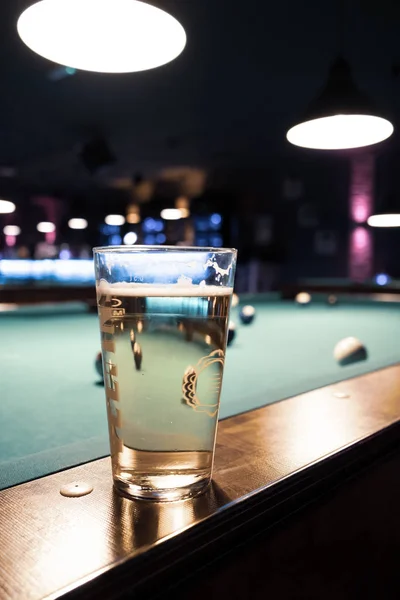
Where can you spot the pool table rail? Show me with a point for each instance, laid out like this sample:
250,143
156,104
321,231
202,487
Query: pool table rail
270,463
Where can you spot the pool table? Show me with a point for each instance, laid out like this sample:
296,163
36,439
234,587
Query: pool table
54,429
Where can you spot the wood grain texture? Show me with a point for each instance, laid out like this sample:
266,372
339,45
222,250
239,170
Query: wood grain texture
51,544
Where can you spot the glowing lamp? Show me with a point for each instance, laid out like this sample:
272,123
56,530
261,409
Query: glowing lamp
171,214
117,220
6,207
46,227
77,223
107,36
388,214
341,117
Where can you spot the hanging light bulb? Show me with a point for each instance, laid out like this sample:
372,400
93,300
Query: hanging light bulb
340,117
108,36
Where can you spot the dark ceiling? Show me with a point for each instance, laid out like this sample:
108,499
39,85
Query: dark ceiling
248,69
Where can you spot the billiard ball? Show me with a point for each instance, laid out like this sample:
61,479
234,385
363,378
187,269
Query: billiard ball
137,355
349,350
235,300
332,300
247,314
303,298
99,364
231,332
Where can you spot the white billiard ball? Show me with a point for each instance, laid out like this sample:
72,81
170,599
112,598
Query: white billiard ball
303,298
349,350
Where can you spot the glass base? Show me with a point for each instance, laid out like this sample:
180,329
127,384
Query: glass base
154,488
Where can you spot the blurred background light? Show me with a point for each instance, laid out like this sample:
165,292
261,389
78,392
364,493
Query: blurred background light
216,219
133,214
382,279
6,207
11,230
65,254
46,227
149,225
115,220
171,214
130,238
77,223
389,220
115,240
150,239
182,204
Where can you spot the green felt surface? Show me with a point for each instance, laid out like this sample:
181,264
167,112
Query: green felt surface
52,410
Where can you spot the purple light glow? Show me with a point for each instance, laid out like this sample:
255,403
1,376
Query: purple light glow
361,254
50,236
360,208
11,240
361,188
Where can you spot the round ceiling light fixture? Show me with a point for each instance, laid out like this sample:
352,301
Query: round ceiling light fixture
6,207
116,220
77,223
384,220
387,213
46,227
107,36
12,230
341,117
171,214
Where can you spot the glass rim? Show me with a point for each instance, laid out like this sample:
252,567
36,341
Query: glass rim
140,247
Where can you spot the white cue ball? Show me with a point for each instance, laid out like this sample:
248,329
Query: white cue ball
303,298
349,350
235,300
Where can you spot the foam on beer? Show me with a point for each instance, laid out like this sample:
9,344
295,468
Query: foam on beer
184,287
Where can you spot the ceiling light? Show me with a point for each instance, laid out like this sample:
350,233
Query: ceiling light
108,36
171,214
387,213
6,207
77,223
45,227
341,117
384,220
115,220
11,230
130,238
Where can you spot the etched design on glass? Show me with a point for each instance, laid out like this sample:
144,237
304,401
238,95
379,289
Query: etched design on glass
191,379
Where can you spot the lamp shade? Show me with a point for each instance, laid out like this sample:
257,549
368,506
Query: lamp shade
109,36
341,116
387,214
